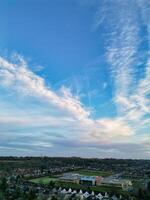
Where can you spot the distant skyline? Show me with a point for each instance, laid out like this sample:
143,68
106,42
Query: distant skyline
75,78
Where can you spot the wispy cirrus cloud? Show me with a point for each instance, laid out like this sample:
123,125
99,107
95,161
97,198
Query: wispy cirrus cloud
124,48
130,92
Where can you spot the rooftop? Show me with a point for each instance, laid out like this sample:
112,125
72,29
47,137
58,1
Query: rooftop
88,178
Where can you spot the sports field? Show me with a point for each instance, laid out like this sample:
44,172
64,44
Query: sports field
93,173
47,179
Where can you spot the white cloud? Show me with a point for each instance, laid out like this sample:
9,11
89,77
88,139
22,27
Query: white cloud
75,116
19,78
76,124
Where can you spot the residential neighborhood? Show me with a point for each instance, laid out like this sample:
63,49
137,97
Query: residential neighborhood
49,181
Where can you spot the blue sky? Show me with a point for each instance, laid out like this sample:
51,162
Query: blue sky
74,78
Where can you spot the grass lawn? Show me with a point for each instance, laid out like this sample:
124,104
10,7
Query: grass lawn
43,180
93,173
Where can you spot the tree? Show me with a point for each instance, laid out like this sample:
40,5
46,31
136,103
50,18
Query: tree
2,196
54,198
148,186
31,195
51,184
3,185
17,193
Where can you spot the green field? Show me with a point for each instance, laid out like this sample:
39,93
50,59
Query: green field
47,179
93,173
44,180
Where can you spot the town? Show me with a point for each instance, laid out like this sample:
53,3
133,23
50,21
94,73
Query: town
51,178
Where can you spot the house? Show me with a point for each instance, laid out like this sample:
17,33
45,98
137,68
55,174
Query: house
99,196
86,195
114,197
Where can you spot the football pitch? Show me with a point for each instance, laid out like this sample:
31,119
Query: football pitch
93,173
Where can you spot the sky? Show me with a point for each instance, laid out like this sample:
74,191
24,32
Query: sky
75,78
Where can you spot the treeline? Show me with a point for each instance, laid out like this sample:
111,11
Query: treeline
100,164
